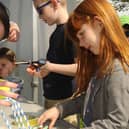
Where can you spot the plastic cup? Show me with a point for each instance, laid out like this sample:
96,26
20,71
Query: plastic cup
4,88
18,81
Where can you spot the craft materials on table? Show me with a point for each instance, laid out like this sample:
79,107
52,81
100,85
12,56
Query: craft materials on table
20,117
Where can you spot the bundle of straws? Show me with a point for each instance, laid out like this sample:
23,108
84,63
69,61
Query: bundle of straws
19,115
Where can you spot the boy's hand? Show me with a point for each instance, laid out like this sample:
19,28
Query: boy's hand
43,71
32,71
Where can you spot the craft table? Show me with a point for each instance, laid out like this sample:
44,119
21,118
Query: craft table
32,109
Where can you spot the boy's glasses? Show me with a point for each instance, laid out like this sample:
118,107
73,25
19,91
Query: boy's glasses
127,33
39,8
126,26
126,29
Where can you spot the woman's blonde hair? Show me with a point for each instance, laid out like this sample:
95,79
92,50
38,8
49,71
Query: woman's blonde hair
113,42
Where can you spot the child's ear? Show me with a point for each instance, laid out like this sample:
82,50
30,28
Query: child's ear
98,21
54,2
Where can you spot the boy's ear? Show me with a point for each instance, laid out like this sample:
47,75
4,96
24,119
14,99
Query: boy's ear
54,2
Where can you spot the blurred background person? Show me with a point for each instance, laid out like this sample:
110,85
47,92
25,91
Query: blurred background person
125,24
8,31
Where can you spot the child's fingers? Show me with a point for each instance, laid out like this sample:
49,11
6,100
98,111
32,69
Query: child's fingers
8,84
8,94
5,103
52,123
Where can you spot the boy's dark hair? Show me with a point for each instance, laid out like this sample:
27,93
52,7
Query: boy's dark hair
4,18
126,26
8,54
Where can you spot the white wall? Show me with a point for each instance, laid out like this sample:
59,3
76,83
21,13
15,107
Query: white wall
33,31
21,12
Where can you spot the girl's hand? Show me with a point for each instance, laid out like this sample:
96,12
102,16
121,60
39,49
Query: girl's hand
51,114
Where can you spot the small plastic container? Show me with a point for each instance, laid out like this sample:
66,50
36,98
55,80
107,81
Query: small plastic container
18,81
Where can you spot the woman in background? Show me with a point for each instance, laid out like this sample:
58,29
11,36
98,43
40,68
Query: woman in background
8,31
125,24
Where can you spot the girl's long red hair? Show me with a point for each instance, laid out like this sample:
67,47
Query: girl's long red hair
113,42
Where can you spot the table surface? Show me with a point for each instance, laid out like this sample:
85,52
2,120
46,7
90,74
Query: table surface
32,109
29,107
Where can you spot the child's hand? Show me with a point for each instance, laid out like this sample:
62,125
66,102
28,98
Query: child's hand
14,32
32,71
51,114
7,93
44,71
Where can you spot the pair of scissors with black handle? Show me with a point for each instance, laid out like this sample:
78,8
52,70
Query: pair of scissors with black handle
36,64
